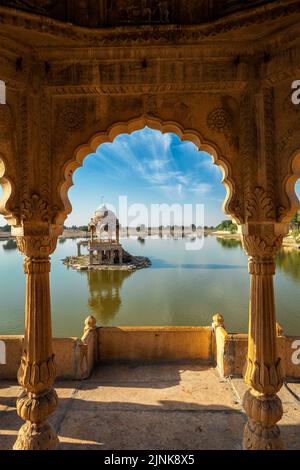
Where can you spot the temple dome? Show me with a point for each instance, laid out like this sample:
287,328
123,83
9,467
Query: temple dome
101,212
105,215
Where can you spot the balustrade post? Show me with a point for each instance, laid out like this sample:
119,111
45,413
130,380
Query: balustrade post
263,373
37,371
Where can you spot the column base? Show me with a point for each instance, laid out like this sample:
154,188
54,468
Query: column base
36,437
259,437
263,412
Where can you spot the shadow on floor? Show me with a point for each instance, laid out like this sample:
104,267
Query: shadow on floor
87,425
144,408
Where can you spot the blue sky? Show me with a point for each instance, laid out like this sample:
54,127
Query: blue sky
149,168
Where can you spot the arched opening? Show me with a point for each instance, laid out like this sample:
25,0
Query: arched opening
291,186
127,128
288,260
221,297
183,271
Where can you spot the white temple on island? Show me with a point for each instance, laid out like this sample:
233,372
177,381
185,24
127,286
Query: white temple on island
104,245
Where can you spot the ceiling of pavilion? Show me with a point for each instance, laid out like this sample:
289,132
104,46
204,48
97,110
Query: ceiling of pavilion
97,13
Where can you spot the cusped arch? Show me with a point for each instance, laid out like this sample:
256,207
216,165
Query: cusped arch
129,127
289,185
7,192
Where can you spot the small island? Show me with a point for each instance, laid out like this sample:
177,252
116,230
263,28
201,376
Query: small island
105,251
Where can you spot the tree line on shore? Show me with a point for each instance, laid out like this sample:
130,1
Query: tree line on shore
224,226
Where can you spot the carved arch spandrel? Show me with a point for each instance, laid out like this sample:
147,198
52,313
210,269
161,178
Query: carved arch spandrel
134,125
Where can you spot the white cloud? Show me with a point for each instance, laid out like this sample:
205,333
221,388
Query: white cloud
156,164
201,188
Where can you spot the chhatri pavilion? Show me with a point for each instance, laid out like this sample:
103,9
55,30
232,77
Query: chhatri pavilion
104,245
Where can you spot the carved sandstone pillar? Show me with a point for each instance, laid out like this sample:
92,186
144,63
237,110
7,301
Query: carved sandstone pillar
263,373
37,371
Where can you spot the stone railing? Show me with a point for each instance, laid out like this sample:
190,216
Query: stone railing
230,351
156,344
76,357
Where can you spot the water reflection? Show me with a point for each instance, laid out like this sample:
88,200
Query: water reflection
229,243
289,262
181,288
105,293
10,245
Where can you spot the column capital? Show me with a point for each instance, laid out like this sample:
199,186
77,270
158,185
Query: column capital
36,239
36,247
263,240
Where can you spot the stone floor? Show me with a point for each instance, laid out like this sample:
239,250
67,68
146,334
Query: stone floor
169,406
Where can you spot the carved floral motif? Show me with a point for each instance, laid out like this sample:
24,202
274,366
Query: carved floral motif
261,431
263,377
262,246
37,247
71,118
37,409
260,206
220,120
35,209
36,437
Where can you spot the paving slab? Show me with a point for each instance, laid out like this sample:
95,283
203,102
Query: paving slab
155,406
112,430
171,406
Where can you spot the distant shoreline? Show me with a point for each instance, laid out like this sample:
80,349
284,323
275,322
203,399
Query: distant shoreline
288,242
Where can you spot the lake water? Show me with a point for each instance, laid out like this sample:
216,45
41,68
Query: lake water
181,288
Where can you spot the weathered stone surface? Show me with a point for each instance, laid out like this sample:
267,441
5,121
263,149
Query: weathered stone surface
171,406
93,13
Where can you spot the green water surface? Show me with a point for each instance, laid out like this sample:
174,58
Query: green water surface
181,288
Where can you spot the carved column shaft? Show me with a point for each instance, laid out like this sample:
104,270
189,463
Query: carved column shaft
263,373
37,371
262,328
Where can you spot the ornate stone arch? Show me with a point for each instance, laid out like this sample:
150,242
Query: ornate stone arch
289,184
129,127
